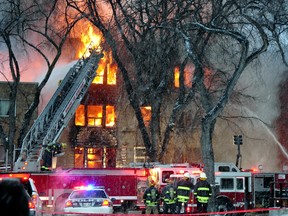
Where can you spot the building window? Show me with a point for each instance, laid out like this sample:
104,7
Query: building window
146,114
80,116
110,116
106,72
88,157
96,115
187,77
139,154
4,108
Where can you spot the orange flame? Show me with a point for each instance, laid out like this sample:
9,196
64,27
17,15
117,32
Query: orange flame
105,75
91,38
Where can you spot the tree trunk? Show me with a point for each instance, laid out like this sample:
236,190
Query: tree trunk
208,125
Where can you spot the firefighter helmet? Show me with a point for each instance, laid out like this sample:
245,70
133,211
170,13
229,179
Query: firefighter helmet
203,176
186,175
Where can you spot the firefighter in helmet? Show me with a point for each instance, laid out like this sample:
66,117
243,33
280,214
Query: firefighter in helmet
151,198
184,188
169,198
202,192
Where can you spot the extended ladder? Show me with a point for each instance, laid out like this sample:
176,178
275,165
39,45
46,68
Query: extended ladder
54,118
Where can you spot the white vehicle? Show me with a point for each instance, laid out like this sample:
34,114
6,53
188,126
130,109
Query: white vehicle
92,200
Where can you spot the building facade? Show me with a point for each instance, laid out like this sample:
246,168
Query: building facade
24,98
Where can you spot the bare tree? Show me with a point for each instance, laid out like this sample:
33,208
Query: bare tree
29,27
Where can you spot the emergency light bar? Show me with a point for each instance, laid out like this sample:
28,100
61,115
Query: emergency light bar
88,187
22,176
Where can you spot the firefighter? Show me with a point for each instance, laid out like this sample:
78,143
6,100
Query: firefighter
51,150
151,198
184,188
202,192
169,197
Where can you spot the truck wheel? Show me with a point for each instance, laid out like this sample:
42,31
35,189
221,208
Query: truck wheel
224,204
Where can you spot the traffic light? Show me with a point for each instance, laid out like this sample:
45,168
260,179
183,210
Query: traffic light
236,140
240,140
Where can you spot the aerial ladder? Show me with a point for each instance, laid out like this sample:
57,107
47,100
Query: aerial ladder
48,127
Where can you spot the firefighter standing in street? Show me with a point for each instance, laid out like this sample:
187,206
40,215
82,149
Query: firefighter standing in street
184,188
151,198
202,192
169,198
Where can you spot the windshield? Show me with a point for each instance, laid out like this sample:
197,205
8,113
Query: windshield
88,194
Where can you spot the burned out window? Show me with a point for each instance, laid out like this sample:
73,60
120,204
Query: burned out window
227,183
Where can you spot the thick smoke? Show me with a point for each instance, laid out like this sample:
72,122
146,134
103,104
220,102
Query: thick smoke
255,119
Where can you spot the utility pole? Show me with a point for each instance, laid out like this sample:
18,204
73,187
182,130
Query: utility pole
238,140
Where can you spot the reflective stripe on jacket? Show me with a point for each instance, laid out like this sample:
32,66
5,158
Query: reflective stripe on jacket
183,190
202,191
169,194
151,196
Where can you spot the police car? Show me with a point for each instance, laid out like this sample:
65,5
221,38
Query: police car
89,199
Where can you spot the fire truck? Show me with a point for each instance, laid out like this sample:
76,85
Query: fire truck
240,189
125,185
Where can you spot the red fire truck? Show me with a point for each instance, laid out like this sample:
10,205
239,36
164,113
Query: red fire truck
126,185
240,190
